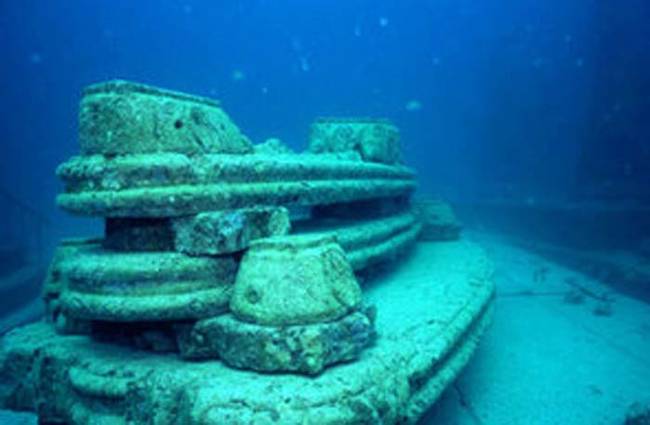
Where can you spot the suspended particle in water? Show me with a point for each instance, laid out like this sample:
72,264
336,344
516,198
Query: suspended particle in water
383,22
238,75
357,31
413,105
35,58
304,64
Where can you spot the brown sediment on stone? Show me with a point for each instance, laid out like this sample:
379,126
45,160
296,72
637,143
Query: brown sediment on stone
121,117
424,344
126,287
438,220
375,140
294,280
296,348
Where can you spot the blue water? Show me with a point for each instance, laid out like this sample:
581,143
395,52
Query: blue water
512,93
527,101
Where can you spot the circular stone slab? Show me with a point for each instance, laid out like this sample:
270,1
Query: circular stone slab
294,280
433,309
151,286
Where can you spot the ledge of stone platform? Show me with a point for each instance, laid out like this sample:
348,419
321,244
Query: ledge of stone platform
432,310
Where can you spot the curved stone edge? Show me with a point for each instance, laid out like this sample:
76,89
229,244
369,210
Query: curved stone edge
455,362
193,305
389,249
97,172
100,266
35,362
358,233
186,200
119,86
385,394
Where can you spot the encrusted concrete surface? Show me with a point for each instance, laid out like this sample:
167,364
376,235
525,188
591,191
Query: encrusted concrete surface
432,310
169,185
542,361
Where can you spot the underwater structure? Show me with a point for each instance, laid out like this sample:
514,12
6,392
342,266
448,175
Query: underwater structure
239,283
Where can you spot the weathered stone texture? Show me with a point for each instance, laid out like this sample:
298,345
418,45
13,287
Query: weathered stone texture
120,117
374,140
127,287
294,280
427,333
229,231
298,348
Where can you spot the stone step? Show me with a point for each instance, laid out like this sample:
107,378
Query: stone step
432,312
129,287
169,186
367,242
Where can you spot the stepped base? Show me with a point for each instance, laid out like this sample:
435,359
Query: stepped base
432,310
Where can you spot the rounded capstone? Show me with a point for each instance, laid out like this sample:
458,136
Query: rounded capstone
294,280
121,117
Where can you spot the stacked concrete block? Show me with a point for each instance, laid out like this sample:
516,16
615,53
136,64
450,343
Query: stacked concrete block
296,307
201,257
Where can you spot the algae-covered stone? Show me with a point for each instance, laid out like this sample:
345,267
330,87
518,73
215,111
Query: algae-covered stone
56,282
272,146
427,334
128,287
374,140
173,185
120,117
222,232
438,221
367,242
298,348
292,280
